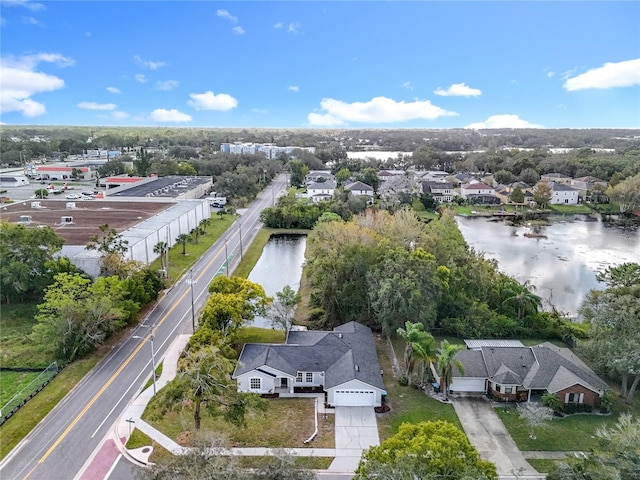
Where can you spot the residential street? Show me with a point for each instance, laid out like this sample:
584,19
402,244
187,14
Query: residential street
62,443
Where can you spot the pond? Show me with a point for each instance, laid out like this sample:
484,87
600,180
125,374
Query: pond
562,261
279,265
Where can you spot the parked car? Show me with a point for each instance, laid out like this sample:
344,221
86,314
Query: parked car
73,196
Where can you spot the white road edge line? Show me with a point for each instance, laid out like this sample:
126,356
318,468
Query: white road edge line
113,467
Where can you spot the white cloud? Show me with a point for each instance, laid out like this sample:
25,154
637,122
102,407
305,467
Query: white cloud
225,14
238,30
113,90
407,85
261,111
503,121
20,81
278,25
324,119
376,110
173,115
550,74
610,75
148,63
33,6
97,106
140,78
32,21
294,88
211,101
294,27
458,90
167,85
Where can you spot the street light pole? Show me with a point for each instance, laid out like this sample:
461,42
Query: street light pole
240,229
153,363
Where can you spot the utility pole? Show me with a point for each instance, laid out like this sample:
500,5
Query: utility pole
240,229
226,256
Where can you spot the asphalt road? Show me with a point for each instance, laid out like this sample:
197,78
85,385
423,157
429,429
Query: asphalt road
59,447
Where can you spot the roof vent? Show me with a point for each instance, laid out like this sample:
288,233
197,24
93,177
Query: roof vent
357,368
339,335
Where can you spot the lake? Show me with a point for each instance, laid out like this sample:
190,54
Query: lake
563,265
279,265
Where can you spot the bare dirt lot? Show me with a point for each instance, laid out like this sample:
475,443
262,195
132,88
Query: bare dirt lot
87,216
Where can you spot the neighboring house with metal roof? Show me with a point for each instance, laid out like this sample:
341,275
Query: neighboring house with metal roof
519,373
342,363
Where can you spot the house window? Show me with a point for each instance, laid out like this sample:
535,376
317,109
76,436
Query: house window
574,398
299,377
255,383
309,377
508,389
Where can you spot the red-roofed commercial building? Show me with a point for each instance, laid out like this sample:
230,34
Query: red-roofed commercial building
63,173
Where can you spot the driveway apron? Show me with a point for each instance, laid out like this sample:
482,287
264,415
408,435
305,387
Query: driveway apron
356,430
488,434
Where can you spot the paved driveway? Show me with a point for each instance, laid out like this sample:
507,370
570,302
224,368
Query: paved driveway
356,430
487,433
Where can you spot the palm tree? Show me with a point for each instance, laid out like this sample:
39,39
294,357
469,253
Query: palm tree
521,296
206,375
161,249
204,223
445,359
183,238
419,344
195,233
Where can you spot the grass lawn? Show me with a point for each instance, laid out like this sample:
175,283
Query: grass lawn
408,404
306,463
571,209
287,423
12,382
571,433
16,347
139,439
25,419
542,465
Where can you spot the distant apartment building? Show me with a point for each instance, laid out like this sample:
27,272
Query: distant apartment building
269,150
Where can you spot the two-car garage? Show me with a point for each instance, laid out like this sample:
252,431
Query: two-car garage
354,398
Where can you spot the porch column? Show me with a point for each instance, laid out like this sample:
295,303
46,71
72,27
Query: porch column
529,396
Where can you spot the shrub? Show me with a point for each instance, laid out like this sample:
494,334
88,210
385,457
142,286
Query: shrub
571,408
403,380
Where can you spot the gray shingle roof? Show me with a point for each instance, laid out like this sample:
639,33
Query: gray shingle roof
346,353
542,367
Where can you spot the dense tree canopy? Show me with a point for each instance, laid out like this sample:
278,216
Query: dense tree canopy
27,262
427,450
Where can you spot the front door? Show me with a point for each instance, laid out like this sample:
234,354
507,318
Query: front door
284,383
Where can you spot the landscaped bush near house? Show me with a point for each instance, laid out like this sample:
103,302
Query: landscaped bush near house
570,408
403,380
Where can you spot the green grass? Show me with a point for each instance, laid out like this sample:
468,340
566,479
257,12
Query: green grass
571,433
139,439
286,424
607,208
25,419
16,346
12,382
150,381
408,404
259,335
571,209
542,465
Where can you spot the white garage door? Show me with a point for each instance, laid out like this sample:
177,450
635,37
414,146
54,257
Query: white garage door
354,398
468,385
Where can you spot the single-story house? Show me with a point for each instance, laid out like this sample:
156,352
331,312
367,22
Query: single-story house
519,373
342,363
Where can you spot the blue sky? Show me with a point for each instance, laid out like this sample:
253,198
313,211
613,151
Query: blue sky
321,64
